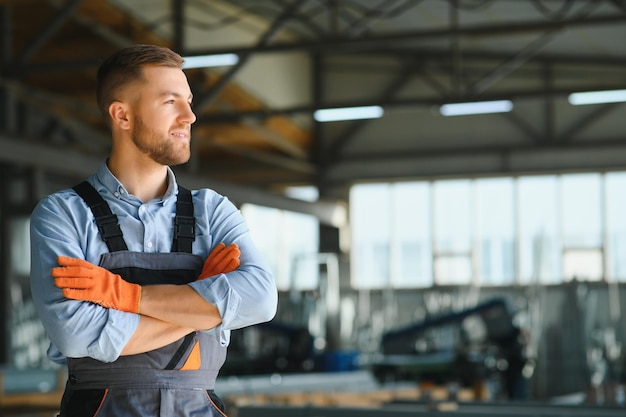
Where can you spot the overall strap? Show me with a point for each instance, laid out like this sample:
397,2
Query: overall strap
180,352
107,221
184,222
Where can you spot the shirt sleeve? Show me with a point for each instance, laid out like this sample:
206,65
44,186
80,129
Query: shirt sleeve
248,295
76,328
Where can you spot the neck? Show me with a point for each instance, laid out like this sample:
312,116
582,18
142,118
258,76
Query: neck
146,180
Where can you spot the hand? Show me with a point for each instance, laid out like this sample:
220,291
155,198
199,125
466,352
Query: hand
82,280
221,260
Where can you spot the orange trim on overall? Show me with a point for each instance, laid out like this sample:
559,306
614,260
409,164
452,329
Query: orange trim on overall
106,392
194,360
215,405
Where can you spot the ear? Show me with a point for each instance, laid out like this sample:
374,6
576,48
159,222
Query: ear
118,111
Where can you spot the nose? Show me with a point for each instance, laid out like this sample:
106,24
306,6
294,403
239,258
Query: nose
187,115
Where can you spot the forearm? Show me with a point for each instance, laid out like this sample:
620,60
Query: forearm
244,297
179,305
152,334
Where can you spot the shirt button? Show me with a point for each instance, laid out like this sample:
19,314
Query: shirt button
149,244
116,194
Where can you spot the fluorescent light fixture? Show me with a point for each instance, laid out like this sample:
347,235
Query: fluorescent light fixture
348,113
478,107
597,97
205,61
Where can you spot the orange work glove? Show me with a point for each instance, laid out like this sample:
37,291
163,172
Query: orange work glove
221,260
82,280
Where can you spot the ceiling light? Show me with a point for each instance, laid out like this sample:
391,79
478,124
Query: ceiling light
205,61
597,97
348,113
478,107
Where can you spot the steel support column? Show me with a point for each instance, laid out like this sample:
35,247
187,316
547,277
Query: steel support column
178,23
5,254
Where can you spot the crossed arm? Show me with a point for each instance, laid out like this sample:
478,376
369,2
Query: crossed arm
161,321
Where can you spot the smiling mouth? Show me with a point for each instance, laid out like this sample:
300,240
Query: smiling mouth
181,135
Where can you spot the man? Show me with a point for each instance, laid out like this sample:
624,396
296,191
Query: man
139,311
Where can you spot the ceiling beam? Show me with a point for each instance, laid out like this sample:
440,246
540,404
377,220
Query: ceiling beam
512,63
471,162
48,31
390,103
425,54
286,162
67,111
525,127
579,126
470,151
209,96
348,135
390,40
280,142
98,28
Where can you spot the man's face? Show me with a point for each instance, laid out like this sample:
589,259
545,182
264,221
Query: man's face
162,116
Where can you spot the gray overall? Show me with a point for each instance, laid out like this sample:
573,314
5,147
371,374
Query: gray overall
175,380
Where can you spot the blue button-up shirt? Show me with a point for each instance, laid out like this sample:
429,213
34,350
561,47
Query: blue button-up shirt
62,224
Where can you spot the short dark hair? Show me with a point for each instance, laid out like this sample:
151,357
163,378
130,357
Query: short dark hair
125,66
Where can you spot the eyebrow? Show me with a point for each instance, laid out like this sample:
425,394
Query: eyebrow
175,94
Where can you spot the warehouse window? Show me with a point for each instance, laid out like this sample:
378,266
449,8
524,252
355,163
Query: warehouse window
411,249
498,231
615,225
289,242
495,231
452,233
538,236
371,228
582,226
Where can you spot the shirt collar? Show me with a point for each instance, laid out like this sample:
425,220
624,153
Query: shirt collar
115,187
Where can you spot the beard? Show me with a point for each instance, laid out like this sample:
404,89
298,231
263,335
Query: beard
163,150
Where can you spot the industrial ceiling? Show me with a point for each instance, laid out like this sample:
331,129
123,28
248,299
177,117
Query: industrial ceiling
255,125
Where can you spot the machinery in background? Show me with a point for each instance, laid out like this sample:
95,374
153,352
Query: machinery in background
269,348
479,347
308,342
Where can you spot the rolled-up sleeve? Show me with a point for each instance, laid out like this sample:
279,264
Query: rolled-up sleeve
248,295
75,328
